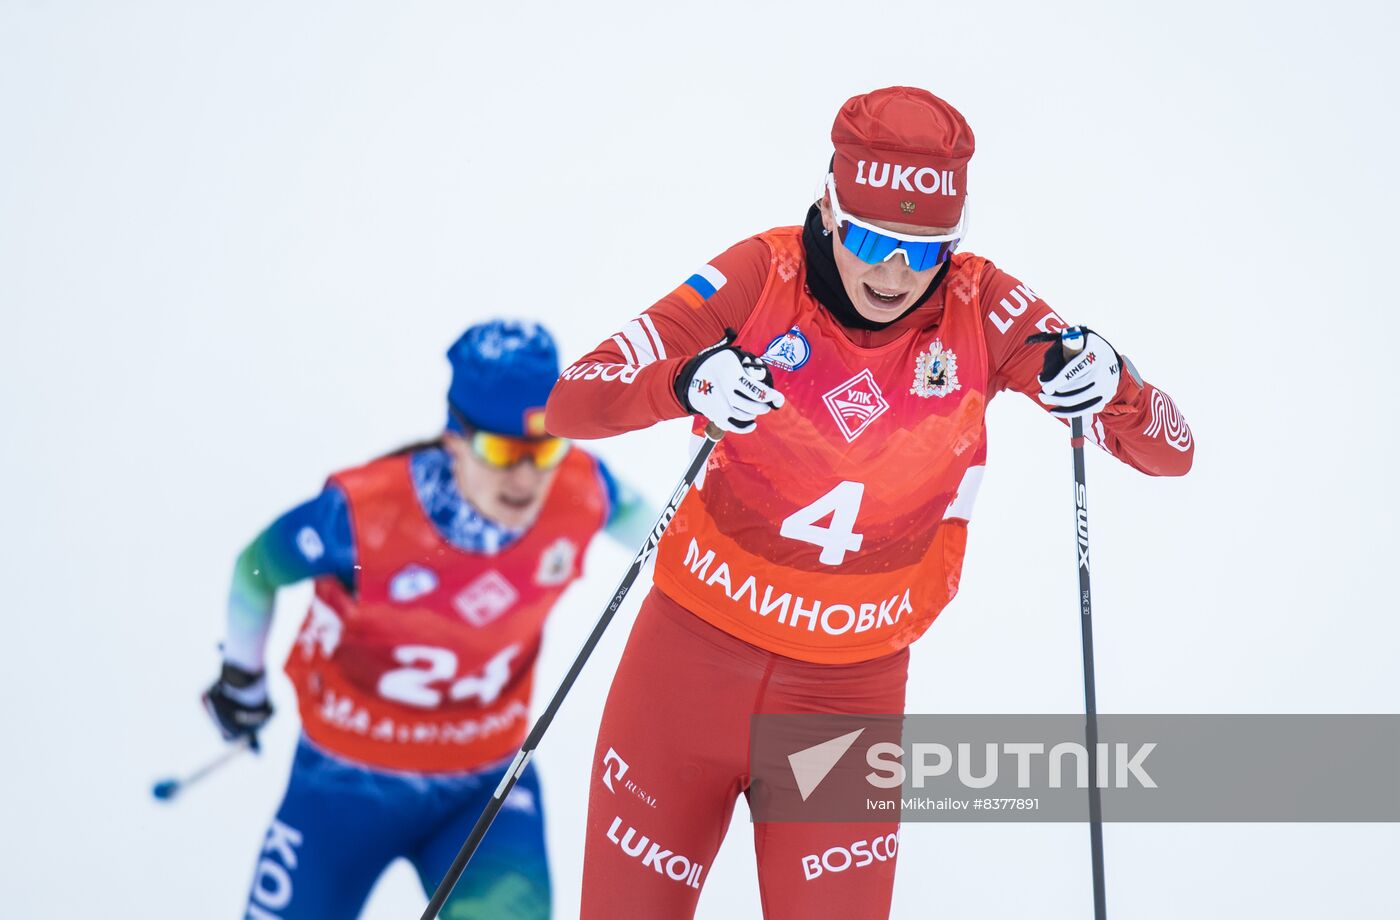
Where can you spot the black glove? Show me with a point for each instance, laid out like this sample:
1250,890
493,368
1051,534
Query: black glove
238,704
729,386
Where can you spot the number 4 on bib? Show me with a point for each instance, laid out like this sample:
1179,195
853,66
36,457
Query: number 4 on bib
839,537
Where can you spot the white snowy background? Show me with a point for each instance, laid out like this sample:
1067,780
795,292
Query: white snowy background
235,239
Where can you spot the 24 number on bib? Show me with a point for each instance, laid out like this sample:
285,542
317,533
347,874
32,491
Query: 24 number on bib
425,687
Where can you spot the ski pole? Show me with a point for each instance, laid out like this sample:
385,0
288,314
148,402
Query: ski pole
1086,637
532,741
1072,341
167,789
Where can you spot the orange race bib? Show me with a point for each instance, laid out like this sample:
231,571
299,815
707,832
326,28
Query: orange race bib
835,531
427,666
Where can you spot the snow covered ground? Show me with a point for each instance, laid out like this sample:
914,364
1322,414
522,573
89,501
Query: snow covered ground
236,238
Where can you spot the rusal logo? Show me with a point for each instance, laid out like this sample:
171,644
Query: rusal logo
610,759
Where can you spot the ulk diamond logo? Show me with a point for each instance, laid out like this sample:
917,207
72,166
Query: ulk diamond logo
486,599
855,404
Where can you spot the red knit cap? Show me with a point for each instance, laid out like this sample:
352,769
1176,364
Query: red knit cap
901,156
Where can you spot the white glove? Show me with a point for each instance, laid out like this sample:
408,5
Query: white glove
1080,374
729,386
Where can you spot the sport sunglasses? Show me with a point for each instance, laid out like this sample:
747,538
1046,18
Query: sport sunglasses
873,245
505,451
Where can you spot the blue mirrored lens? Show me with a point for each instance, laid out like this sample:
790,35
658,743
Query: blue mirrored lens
873,248
868,246
925,255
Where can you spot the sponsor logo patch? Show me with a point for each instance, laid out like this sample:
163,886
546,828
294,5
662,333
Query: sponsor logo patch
858,855
834,618
322,631
855,404
935,372
412,582
653,855
592,370
272,883
789,351
1014,304
309,543
899,177
614,767
485,600
556,563
350,715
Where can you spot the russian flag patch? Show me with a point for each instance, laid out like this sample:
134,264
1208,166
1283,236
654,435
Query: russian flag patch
701,286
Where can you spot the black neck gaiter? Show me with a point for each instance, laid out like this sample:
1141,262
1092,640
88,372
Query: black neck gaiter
824,280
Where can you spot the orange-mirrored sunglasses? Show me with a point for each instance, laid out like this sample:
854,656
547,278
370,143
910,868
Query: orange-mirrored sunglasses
504,451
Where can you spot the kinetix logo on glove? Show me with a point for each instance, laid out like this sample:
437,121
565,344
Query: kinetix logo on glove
727,385
1081,365
1074,383
747,384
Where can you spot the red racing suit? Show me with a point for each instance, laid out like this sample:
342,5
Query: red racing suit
832,535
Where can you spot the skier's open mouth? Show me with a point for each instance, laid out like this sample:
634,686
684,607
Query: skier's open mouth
885,299
518,502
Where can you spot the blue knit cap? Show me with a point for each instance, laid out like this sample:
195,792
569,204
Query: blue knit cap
502,372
